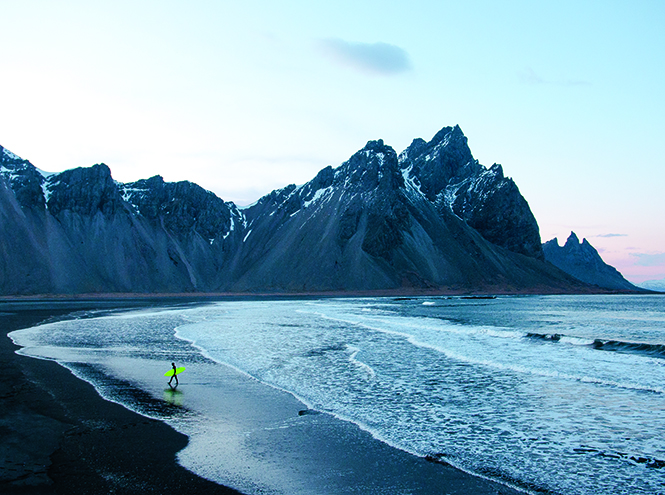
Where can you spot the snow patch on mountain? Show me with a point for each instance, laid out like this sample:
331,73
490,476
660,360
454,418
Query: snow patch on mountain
231,229
46,191
324,193
9,154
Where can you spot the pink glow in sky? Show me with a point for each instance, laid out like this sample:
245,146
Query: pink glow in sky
246,97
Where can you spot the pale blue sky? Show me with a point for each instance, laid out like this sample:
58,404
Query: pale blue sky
245,97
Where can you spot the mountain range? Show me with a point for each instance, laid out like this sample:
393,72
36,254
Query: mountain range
430,218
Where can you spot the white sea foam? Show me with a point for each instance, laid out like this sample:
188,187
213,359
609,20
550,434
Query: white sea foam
353,358
451,378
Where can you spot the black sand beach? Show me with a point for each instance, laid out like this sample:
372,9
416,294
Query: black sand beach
60,436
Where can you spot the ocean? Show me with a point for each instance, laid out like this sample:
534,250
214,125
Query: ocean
549,394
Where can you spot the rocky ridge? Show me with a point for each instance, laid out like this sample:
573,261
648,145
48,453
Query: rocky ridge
430,218
582,261
449,176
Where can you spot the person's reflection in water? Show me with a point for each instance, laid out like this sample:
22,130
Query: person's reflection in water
173,396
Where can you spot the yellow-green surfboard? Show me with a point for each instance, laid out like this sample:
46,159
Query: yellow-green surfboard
177,371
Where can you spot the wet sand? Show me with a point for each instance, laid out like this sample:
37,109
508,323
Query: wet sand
60,436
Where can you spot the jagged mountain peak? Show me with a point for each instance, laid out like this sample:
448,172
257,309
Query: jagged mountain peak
450,136
572,243
373,168
436,163
376,165
375,151
6,155
154,181
23,178
416,147
83,190
582,261
446,173
99,172
497,170
583,249
573,240
377,146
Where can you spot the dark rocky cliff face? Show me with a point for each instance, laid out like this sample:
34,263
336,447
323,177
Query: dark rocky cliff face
79,231
23,179
582,261
431,218
84,191
183,208
374,223
448,175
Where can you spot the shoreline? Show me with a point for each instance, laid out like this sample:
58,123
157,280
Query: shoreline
60,436
90,445
162,298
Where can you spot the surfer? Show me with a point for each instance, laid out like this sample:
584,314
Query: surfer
174,376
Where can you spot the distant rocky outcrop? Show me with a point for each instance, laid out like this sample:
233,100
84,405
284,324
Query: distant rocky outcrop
582,261
654,285
431,218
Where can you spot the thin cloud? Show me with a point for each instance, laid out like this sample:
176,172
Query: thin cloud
610,235
375,58
530,77
646,259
